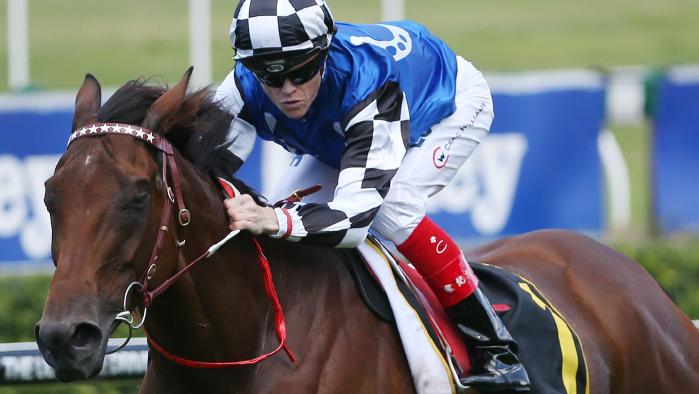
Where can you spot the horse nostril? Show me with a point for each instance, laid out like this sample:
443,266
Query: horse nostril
43,348
85,334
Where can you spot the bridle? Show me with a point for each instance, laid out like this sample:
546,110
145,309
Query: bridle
184,218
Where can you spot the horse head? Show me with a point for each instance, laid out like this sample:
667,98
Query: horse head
106,201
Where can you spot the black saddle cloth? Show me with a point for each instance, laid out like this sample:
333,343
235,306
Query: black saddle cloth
548,346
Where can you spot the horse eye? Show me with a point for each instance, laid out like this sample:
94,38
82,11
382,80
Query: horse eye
138,203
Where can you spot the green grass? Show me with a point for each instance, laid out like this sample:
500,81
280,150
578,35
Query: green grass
120,40
511,34
95,386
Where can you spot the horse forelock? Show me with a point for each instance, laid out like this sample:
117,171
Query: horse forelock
199,129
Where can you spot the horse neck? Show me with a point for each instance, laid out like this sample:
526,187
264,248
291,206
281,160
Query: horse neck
199,315
316,290
221,312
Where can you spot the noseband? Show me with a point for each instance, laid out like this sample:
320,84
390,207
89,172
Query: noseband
184,218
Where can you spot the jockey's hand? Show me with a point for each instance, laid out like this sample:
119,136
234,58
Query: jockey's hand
245,214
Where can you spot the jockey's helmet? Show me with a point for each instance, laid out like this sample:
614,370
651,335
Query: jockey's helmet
274,38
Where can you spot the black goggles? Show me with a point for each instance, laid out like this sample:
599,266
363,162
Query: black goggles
301,69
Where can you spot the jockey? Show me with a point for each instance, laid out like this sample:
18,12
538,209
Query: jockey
381,115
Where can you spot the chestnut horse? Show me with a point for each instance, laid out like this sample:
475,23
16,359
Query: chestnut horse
111,221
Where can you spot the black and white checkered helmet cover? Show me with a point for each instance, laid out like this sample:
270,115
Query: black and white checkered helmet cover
272,26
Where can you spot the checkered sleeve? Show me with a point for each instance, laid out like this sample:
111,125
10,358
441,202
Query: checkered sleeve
376,134
241,134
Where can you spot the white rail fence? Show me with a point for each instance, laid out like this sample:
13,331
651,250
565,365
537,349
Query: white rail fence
21,362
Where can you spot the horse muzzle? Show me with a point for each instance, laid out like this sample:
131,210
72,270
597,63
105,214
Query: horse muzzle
74,350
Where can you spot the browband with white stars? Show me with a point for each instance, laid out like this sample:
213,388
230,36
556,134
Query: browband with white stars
117,128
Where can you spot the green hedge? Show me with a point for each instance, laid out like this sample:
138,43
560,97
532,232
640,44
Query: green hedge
21,303
674,264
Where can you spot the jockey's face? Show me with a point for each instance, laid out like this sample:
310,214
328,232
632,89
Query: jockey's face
294,100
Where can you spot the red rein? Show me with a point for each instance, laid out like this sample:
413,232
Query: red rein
280,326
165,147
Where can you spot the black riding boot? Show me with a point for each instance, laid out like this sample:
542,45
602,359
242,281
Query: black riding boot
496,366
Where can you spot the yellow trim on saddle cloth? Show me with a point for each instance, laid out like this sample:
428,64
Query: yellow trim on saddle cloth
381,253
566,335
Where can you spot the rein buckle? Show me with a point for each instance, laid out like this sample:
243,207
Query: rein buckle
184,217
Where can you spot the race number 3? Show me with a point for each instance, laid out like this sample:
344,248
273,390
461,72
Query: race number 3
400,45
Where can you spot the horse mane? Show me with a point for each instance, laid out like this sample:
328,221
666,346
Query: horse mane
199,130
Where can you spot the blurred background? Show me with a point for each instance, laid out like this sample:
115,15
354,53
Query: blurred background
596,130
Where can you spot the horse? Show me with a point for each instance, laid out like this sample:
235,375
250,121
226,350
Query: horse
115,239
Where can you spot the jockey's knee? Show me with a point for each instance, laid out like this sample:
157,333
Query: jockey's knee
396,220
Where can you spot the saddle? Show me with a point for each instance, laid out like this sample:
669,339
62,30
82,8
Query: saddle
549,348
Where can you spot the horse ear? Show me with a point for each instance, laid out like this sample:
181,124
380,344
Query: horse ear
167,105
87,102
